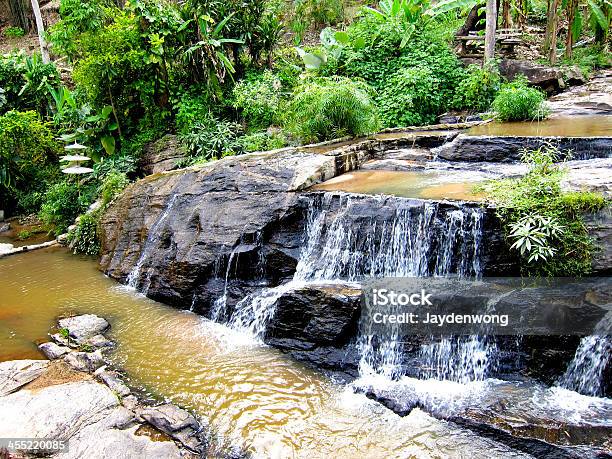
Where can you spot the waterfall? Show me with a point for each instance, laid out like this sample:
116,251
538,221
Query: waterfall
220,305
585,373
133,278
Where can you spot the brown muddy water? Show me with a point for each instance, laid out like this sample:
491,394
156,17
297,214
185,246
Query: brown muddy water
406,184
577,126
250,393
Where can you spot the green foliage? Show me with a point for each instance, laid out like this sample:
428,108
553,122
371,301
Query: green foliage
478,89
113,184
328,108
590,58
516,101
373,52
26,145
263,141
258,99
191,110
411,97
84,238
61,205
78,17
212,138
318,13
543,223
13,32
24,81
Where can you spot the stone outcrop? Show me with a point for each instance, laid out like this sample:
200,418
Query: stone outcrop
315,322
508,148
162,155
78,399
592,98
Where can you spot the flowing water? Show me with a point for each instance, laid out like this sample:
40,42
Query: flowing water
250,393
411,184
576,126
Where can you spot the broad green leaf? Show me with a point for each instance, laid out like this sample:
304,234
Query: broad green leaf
342,37
108,142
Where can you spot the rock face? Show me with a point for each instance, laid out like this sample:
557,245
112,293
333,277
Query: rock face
315,322
162,155
15,374
508,148
83,327
198,217
592,98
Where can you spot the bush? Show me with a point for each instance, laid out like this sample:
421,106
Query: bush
211,138
191,110
113,184
61,205
543,223
411,97
516,101
258,98
478,89
263,141
13,32
316,13
24,81
328,108
84,238
26,148
375,53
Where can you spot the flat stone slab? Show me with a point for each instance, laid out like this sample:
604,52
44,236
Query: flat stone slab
53,351
85,326
18,373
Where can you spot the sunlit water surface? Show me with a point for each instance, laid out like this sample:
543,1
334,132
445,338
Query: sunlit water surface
251,394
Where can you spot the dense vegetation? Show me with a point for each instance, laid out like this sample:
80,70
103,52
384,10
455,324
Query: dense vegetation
226,78
543,223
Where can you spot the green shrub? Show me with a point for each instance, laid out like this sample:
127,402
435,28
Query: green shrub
84,238
478,89
258,99
543,223
411,97
317,13
78,17
113,184
191,110
26,147
13,32
263,141
61,205
212,138
328,108
516,101
24,81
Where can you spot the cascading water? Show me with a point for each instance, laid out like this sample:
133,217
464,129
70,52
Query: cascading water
585,373
133,279
220,305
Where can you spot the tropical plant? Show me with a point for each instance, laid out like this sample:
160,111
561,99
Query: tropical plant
61,205
211,138
327,108
258,99
13,32
84,237
478,89
534,236
516,101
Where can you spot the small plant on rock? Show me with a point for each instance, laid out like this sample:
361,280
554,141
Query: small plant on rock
516,101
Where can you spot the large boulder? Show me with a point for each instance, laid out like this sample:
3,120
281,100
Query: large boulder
17,373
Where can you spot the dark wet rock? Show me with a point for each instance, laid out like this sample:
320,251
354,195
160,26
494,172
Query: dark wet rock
80,328
162,155
508,148
599,226
17,373
52,351
316,322
85,361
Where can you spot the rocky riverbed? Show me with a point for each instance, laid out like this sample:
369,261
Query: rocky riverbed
78,399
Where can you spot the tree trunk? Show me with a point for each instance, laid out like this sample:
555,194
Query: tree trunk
21,14
41,32
471,22
572,6
521,14
506,17
490,30
552,29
